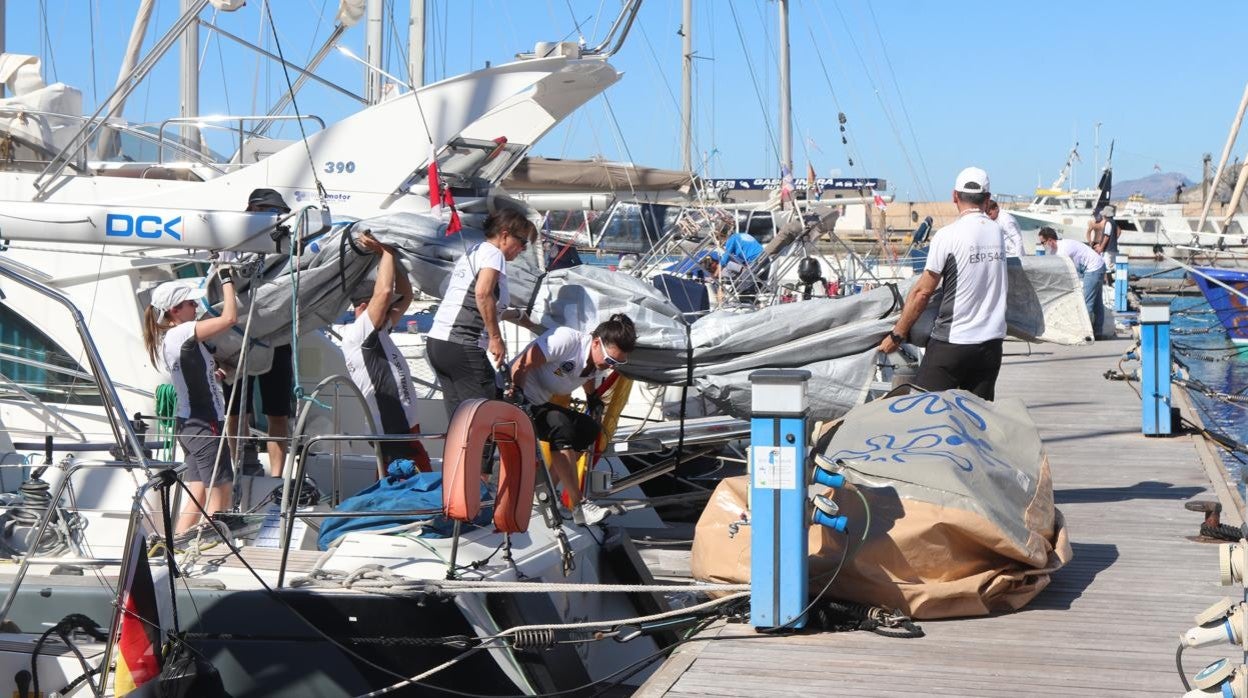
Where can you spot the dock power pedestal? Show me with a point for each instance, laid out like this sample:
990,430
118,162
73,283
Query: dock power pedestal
778,501
1155,367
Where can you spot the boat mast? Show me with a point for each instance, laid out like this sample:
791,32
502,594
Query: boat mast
416,44
137,32
1226,154
686,91
189,64
2,14
372,52
786,132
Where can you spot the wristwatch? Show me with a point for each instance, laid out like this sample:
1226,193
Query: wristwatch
896,337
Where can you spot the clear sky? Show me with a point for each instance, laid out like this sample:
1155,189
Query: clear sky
927,87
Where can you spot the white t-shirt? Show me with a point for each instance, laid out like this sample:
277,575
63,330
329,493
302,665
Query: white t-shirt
458,318
1012,235
969,255
194,374
379,370
1085,258
567,352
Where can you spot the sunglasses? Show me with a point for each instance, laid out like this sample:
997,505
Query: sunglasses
524,242
609,360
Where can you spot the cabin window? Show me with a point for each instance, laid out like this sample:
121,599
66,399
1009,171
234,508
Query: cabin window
30,358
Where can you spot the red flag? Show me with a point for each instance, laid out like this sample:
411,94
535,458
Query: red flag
138,642
454,225
879,201
435,184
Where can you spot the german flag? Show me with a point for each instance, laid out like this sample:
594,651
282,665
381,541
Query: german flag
138,642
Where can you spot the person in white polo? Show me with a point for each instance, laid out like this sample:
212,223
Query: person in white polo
966,259
1091,268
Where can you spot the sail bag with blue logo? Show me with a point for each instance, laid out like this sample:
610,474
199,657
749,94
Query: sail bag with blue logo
962,516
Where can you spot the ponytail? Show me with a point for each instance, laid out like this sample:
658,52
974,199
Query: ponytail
619,332
154,328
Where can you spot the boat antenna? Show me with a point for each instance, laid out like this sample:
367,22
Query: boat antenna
294,103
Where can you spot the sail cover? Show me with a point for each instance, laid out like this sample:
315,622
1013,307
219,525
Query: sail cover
834,338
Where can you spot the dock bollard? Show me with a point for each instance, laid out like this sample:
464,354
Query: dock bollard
1155,367
778,477
1121,268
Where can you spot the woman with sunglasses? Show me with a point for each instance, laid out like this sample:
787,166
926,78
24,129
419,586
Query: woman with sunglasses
466,325
174,339
557,363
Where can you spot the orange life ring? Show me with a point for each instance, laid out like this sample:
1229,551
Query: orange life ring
475,423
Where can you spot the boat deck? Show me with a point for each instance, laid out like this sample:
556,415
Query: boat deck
1108,623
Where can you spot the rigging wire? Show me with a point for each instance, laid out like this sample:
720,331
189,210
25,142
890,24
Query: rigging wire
918,151
320,188
771,135
92,10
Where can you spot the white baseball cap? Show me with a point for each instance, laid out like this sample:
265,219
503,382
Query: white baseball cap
972,180
171,293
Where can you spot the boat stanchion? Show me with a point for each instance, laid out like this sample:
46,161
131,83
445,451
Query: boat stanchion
1122,266
778,481
1155,364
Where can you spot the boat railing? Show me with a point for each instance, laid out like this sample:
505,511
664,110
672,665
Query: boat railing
46,519
1207,277
239,127
114,410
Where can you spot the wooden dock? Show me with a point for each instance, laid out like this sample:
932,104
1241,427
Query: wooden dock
1107,625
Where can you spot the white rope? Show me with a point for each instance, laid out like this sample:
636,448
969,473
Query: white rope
375,577
625,621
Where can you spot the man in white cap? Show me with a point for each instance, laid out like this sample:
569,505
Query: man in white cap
967,259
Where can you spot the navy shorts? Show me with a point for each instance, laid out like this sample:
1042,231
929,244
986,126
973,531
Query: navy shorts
201,440
276,388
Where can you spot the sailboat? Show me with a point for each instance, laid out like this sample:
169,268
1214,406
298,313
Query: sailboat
278,616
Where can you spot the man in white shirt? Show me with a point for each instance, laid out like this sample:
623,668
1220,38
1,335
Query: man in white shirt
557,363
1091,270
1010,232
376,365
966,259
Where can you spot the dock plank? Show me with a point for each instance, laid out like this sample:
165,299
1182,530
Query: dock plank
1107,624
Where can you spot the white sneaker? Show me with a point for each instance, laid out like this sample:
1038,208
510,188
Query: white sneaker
588,513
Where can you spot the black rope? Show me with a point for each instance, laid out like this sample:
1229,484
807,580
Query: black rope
684,391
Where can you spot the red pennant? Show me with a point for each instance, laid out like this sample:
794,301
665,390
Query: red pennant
454,225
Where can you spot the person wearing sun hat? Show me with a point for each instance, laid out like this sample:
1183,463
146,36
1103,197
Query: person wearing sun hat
967,259
174,339
276,384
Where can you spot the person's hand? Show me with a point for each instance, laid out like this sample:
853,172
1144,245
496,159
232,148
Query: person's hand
889,345
370,243
496,350
595,404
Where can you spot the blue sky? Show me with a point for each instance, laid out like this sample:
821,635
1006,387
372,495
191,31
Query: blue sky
927,87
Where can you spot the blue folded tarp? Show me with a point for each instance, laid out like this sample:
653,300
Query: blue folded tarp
403,489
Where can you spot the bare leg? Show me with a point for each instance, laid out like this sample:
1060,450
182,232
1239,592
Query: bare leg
219,497
279,429
190,513
234,434
563,467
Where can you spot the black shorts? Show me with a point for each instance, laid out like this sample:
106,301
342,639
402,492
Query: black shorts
276,388
972,367
464,372
564,428
202,442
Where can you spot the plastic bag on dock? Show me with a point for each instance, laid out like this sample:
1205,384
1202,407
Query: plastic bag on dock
962,517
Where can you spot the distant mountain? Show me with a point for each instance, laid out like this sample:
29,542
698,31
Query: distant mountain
1155,187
